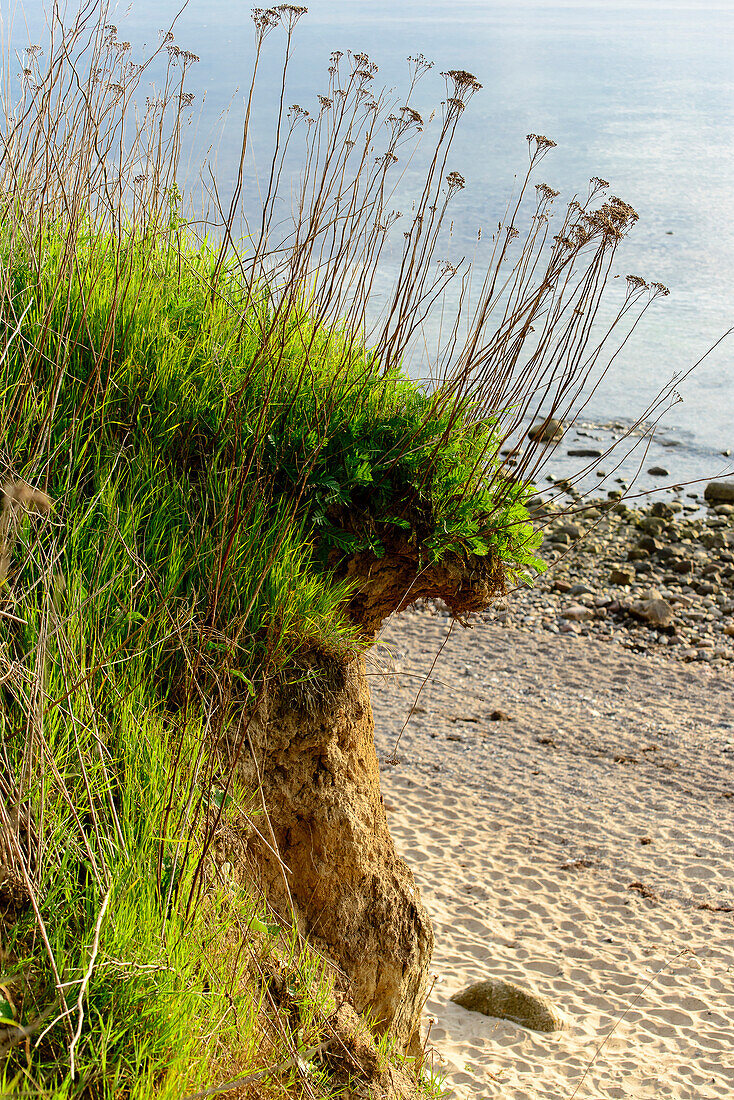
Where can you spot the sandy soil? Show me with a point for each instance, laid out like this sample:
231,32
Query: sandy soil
583,847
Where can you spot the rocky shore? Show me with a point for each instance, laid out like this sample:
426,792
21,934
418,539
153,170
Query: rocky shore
654,577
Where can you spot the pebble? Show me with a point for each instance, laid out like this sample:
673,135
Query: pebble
679,570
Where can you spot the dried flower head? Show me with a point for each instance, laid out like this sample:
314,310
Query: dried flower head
325,102
462,80
546,192
264,19
411,116
290,14
419,65
455,181
635,282
659,288
539,143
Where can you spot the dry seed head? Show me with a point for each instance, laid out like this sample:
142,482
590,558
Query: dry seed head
636,282
541,142
264,19
455,181
455,103
411,116
622,210
659,288
462,80
546,192
290,13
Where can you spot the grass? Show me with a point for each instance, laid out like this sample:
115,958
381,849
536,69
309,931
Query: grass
196,437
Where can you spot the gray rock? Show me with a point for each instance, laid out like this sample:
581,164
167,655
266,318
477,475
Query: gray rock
546,431
658,471
584,452
507,1001
720,491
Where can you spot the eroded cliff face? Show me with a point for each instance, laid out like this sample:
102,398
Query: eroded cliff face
325,850
354,897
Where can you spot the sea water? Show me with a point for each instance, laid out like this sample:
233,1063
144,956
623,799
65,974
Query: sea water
639,92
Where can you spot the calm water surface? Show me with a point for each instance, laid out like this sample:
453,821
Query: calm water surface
641,93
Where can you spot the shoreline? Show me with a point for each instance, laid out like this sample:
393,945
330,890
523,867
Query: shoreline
654,578
567,809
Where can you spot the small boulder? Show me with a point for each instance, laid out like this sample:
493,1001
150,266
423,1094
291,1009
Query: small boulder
622,574
577,612
650,544
546,431
571,529
722,492
584,452
658,471
656,612
507,1001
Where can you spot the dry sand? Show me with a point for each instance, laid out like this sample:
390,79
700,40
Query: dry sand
526,837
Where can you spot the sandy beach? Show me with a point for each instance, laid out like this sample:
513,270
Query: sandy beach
567,808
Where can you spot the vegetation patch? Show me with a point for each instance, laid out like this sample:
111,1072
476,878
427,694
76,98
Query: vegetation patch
204,460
